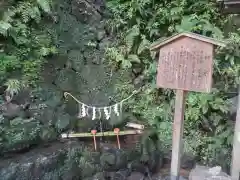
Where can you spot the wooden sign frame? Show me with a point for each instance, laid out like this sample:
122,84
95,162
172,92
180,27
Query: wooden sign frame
176,53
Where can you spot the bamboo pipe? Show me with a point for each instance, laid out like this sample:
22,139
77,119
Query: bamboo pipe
107,133
135,126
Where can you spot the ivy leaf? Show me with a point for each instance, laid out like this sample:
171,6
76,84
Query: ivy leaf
45,5
4,27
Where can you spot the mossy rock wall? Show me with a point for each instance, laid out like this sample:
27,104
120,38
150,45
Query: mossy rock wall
79,68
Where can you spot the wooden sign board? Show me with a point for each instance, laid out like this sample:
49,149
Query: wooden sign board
185,62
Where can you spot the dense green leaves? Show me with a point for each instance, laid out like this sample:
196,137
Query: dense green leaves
25,42
4,27
137,23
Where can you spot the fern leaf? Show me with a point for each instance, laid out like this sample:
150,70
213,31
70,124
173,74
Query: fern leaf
143,45
187,24
45,5
131,35
7,16
36,15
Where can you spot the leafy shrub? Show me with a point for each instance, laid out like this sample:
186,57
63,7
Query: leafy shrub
25,41
139,23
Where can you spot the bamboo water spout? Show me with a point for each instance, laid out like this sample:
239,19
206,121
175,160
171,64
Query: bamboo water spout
106,133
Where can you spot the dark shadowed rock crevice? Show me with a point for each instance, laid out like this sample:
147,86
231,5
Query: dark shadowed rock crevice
74,160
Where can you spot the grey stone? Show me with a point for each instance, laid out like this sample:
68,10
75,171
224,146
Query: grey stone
157,177
233,104
43,164
180,178
187,161
99,176
122,174
85,12
206,173
136,176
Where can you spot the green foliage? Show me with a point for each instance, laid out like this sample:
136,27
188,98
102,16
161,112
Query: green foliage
139,22
25,42
13,86
19,134
82,160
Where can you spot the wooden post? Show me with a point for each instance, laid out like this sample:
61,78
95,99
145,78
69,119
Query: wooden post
94,132
116,131
182,60
178,125
235,169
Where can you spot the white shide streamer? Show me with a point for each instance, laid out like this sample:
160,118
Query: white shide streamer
84,113
107,112
117,107
93,113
